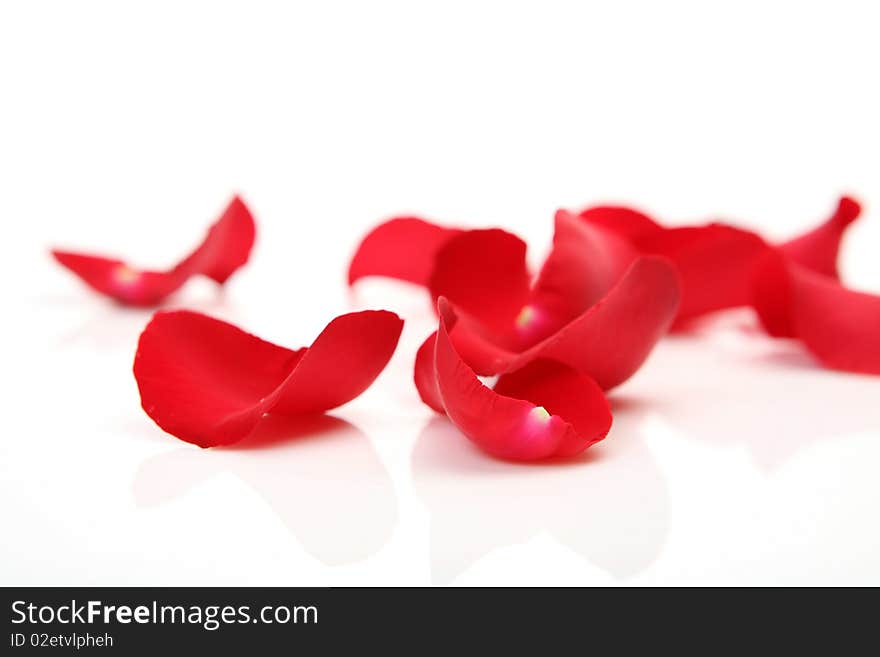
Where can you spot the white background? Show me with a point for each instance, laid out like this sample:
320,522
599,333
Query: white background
124,129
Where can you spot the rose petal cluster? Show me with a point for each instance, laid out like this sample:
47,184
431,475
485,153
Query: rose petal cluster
615,281
554,341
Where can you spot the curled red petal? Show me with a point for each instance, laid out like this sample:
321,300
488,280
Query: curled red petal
210,383
586,261
818,249
401,248
425,376
225,248
563,392
342,362
544,411
609,342
484,273
479,348
204,380
837,325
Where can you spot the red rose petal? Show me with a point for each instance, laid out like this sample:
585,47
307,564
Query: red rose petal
585,262
203,380
342,362
484,273
479,348
115,279
625,222
225,248
575,398
609,342
797,294
818,249
209,383
718,263
771,294
815,250
548,409
425,376
841,327
401,248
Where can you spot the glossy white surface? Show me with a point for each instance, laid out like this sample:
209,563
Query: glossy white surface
733,459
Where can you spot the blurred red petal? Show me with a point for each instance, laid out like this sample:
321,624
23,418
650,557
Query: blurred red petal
771,294
210,383
625,222
542,411
484,273
718,263
841,327
608,342
225,248
818,249
401,248
115,279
